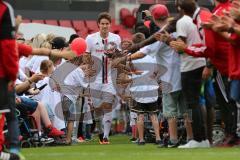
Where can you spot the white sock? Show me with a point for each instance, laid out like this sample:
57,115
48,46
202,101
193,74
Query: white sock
107,128
107,122
5,156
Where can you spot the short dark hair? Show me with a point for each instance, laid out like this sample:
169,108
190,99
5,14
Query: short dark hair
72,37
222,1
188,6
104,15
143,29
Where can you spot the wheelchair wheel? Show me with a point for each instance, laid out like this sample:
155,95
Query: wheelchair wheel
26,144
218,134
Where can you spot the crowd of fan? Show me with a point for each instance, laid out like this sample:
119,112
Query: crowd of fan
180,67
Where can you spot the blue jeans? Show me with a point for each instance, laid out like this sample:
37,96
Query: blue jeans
235,90
12,123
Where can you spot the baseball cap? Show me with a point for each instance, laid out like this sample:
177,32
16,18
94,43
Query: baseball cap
58,43
159,12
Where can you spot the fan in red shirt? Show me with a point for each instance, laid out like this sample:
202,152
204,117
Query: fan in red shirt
223,51
8,74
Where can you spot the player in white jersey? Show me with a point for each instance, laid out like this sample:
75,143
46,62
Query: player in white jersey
97,45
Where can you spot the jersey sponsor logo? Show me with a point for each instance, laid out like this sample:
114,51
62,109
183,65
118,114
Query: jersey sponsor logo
100,50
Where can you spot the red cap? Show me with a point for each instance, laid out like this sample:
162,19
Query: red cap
159,11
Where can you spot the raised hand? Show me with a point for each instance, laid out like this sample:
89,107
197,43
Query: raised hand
123,80
115,62
88,71
36,77
179,45
163,36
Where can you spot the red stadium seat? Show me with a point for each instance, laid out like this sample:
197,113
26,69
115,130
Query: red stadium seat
26,21
82,34
78,25
147,1
124,34
124,12
52,22
65,23
116,28
129,21
38,21
92,26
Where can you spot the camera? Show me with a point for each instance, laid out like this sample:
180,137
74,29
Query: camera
143,15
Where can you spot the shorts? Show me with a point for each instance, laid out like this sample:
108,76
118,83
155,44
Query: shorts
27,106
68,108
173,105
191,86
145,107
102,93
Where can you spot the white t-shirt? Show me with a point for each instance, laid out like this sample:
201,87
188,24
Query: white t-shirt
186,28
95,46
169,62
75,82
23,62
144,88
34,63
21,75
53,99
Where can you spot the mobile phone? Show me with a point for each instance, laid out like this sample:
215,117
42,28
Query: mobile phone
143,15
42,87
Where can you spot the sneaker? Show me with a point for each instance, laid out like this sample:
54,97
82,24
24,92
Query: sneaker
140,143
160,144
133,140
172,145
46,140
9,156
88,139
54,132
105,141
76,140
81,139
192,144
205,144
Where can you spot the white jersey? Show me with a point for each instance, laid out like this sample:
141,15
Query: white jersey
144,88
23,62
96,45
169,62
186,28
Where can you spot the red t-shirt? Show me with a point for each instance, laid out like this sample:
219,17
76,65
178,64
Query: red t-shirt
8,53
234,58
222,45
